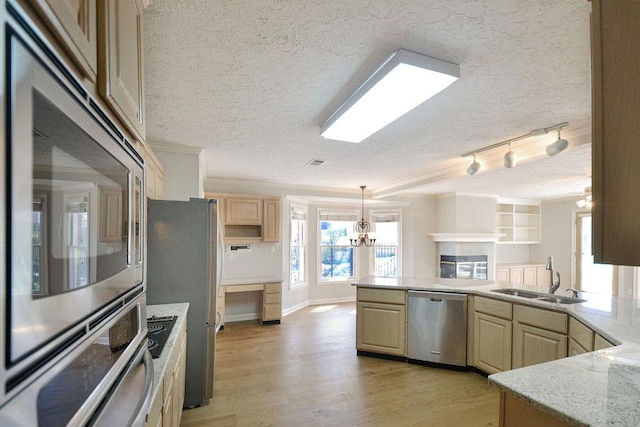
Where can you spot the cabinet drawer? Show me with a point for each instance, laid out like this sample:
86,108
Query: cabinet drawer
272,298
544,319
382,295
581,334
494,307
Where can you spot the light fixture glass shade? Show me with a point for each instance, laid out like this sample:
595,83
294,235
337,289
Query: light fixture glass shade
403,82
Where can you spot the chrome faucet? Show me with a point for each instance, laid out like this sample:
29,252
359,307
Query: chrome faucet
553,287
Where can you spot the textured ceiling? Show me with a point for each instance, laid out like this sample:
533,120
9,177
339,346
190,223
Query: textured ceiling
253,81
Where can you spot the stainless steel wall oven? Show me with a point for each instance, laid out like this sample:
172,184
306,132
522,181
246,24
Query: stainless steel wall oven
73,300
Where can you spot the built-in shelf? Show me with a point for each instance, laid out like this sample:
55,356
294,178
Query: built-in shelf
518,222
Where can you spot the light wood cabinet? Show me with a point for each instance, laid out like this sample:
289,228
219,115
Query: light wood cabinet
271,222
518,222
272,303
271,294
381,321
615,149
492,343
166,409
580,338
538,336
120,61
527,274
154,173
248,219
74,25
492,335
243,211
600,343
502,274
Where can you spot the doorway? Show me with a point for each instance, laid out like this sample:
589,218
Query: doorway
590,277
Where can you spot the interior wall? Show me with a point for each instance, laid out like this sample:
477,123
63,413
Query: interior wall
558,235
182,175
513,253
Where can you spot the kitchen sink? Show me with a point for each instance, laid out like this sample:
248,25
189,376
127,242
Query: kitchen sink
520,293
561,300
539,296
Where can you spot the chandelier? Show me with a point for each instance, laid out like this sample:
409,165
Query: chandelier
362,227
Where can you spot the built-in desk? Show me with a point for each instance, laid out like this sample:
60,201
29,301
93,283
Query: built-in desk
271,299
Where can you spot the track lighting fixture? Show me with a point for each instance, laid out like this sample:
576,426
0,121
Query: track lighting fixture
557,147
511,158
473,167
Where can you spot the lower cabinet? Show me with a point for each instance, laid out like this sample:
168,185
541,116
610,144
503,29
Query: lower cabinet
538,336
533,345
492,343
381,321
166,409
492,330
272,302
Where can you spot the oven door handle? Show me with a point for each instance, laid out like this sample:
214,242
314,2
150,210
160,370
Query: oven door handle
130,400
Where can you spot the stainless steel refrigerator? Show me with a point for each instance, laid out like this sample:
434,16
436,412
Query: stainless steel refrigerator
184,264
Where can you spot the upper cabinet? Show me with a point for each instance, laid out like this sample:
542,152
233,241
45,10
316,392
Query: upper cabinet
615,49
249,219
120,61
518,222
75,26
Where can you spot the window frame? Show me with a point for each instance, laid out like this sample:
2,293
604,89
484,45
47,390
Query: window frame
372,257
305,246
353,216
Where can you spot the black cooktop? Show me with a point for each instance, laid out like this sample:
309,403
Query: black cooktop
158,330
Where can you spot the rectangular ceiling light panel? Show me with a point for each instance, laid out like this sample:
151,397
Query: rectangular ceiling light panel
403,82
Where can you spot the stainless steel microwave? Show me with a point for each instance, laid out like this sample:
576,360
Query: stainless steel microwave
72,202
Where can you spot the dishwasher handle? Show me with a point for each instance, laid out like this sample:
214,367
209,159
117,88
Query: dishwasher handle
437,297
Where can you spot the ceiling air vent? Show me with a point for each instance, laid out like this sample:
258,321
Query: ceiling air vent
316,162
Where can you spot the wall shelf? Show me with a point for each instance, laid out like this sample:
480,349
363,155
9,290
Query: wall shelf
518,222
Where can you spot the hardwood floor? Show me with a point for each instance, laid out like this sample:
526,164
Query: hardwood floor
306,372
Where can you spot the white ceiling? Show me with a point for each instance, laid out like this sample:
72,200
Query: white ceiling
253,81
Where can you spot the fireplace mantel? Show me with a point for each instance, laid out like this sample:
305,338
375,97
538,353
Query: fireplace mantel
465,237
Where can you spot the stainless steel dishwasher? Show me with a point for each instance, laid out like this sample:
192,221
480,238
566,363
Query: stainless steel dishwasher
437,327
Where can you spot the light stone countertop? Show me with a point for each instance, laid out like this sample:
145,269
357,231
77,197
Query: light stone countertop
160,364
598,388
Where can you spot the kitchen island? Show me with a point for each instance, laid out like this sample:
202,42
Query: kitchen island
595,388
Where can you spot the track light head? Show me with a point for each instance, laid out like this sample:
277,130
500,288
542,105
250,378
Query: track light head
511,158
473,167
558,146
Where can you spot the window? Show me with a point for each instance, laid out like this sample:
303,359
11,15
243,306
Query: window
336,254
386,252
298,246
